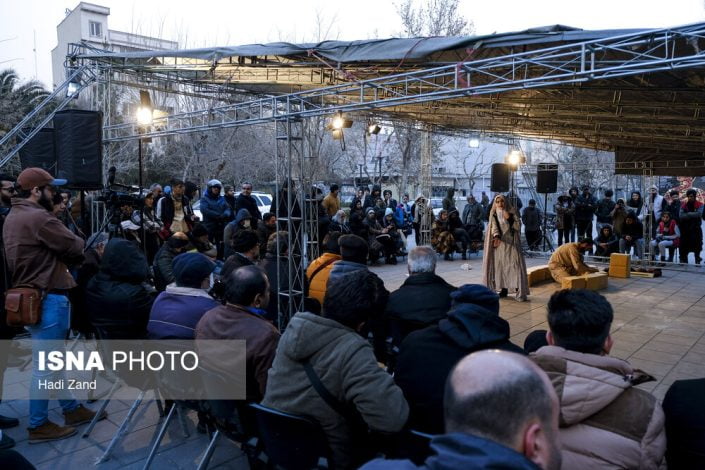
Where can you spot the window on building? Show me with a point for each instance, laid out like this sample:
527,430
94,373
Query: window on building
96,29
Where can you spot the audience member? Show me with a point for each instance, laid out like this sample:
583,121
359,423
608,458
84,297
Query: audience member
199,239
684,408
339,223
319,270
531,218
632,236
277,271
242,221
442,238
177,310
246,201
118,298
449,200
264,231
95,247
175,210
163,274
353,251
331,203
567,260
653,205
422,216
635,204
618,214
422,300
585,206
606,422
427,356
460,235
564,218
606,242
229,196
667,237
152,226
672,204
603,211
216,214
328,349
246,247
243,317
691,240
500,411
379,239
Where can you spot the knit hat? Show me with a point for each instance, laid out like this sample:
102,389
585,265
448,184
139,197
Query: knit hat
388,211
370,210
199,230
190,269
214,182
353,247
476,294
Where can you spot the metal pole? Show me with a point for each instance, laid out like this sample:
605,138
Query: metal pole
545,210
140,183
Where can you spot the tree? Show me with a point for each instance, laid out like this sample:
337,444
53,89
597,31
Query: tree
434,18
17,100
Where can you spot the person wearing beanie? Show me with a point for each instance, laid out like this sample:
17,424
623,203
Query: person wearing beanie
379,239
427,356
246,252
245,200
178,309
390,224
216,213
200,243
353,251
319,270
163,272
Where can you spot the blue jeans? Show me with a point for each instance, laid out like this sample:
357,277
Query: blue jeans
54,326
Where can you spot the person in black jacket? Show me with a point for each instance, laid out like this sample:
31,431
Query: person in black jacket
632,236
277,273
684,408
246,252
427,356
245,201
606,242
422,300
163,274
118,298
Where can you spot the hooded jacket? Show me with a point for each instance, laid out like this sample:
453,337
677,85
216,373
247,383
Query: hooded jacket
250,204
232,228
176,312
611,240
321,267
564,212
216,212
605,421
346,365
585,206
427,356
117,299
343,267
634,230
472,213
461,451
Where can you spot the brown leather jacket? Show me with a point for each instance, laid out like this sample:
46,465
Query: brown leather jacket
38,247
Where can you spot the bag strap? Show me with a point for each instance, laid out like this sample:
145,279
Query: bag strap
323,392
321,267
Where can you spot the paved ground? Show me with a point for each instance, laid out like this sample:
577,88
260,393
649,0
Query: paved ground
659,327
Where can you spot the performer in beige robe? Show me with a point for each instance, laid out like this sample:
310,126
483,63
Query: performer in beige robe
567,260
503,265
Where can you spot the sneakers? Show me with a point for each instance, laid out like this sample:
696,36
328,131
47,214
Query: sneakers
81,415
50,432
7,422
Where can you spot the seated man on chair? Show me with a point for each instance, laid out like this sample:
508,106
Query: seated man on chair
667,237
632,236
567,260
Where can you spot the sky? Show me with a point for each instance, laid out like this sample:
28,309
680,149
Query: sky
24,23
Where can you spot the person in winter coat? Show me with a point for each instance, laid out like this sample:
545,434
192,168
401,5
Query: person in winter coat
353,251
442,238
394,231
567,260
152,226
531,218
280,204
198,237
229,195
635,203
672,204
331,203
245,200
632,236
371,199
242,317
242,221
684,408
449,200
118,298
653,205
460,235
472,213
216,214
422,300
319,270
422,217
427,356
175,211
603,211
618,214
163,272
564,218
344,362
339,223
95,247
606,422
379,239
265,230
606,242
246,252
667,237
277,272
573,193
389,201
585,206
503,265
481,430
178,309
691,214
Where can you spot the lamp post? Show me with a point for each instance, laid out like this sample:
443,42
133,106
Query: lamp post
144,119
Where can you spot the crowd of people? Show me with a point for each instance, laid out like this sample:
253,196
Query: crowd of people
366,365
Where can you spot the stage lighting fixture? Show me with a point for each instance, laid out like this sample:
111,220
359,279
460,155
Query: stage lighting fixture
337,134
145,111
474,143
515,157
72,89
373,129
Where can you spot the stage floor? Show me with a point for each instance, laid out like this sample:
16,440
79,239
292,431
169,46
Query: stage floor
659,327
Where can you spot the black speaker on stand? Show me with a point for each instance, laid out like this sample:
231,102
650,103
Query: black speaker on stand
499,181
546,183
38,152
79,148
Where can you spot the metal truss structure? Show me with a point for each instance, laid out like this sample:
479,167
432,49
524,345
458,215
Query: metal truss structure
639,94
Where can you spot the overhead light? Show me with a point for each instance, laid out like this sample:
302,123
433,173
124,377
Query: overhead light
338,121
515,157
145,111
373,129
73,89
474,143
337,134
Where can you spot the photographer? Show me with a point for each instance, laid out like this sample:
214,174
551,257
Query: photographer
618,215
153,226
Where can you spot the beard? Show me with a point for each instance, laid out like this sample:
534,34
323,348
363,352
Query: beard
46,203
6,200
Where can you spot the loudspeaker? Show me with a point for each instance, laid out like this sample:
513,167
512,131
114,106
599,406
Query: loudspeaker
499,183
39,151
79,148
547,178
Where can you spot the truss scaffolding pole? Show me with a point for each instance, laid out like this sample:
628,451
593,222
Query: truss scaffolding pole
426,174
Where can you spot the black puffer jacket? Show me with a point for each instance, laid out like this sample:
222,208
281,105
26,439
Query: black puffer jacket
421,301
117,298
427,356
